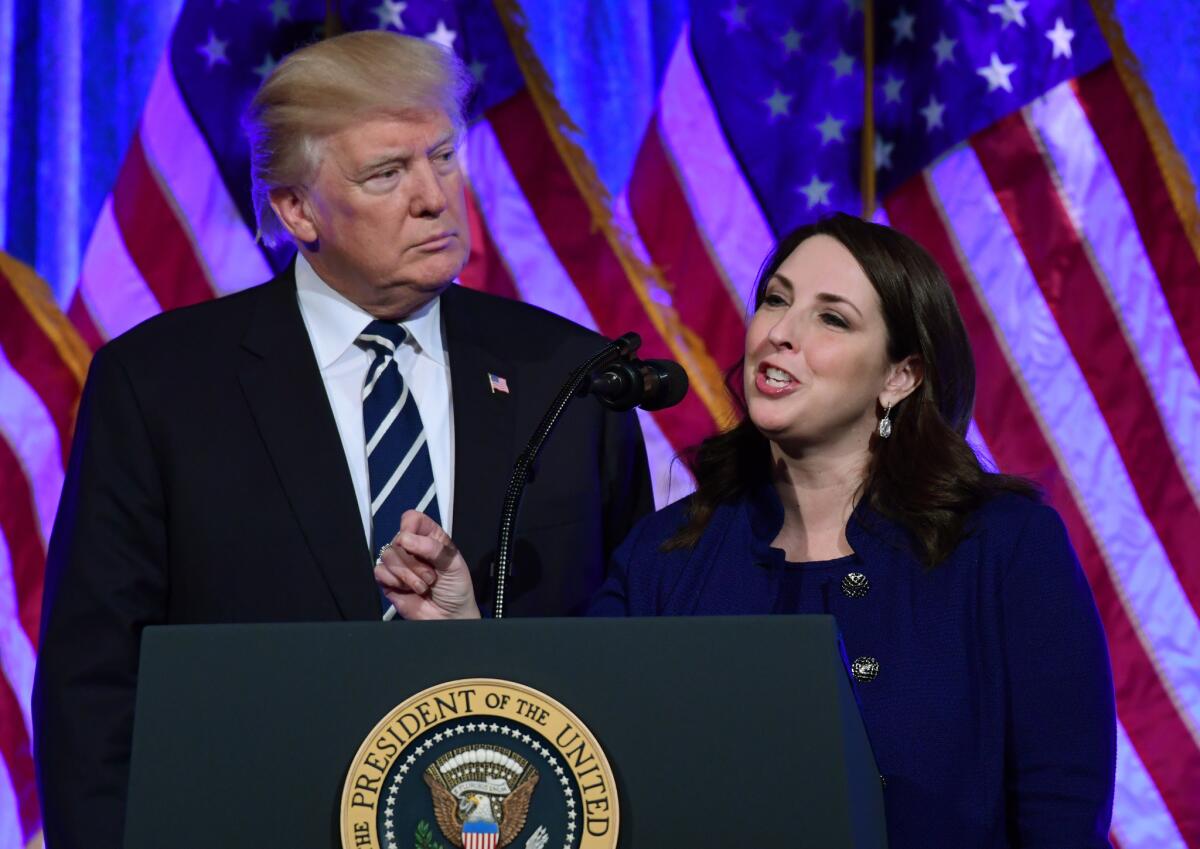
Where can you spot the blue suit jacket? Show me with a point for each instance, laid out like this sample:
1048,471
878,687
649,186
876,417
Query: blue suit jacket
992,716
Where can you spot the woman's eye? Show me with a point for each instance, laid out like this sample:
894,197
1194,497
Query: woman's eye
834,320
774,299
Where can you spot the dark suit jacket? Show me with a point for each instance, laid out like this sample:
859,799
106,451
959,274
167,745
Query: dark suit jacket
208,484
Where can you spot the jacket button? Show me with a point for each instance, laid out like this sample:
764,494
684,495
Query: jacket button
855,585
865,669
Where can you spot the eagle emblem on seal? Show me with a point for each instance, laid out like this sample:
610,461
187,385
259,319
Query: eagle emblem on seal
481,795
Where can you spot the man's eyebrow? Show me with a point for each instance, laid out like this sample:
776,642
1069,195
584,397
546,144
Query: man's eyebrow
400,157
829,298
390,158
448,138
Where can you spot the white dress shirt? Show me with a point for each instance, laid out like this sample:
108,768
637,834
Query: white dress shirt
334,323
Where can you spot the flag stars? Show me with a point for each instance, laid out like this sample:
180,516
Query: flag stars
997,74
1061,38
830,129
735,17
932,112
779,103
883,153
891,89
1010,11
213,50
388,13
943,48
281,10
842,64
791,41
265,67
816,192
442,35
902,26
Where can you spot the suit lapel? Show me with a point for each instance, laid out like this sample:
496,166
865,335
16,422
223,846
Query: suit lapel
287,397
484,450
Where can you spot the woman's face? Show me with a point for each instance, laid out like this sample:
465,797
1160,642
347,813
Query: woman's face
816,352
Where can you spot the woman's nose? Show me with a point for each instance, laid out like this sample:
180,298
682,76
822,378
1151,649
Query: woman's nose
784,333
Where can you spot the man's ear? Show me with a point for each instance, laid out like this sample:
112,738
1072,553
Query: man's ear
291,206
902,380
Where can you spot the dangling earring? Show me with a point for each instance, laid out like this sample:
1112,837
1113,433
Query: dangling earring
885,424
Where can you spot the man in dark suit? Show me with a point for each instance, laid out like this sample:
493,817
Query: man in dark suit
225,463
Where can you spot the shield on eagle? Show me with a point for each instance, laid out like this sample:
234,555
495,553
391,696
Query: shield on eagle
481,795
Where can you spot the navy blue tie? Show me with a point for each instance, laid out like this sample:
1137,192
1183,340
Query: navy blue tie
397,454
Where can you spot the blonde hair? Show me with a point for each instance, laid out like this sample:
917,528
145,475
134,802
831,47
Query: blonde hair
325,87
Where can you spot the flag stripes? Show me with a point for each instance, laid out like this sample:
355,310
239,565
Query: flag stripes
156,240
1022,443
80,316
537,276
26,427
11,827
1097,206
485,269
18,758
1140,817
667,228
23,536
34,359
585,254
1062,267
177,151
515,256
724,210
1119,129
1076,425
111,293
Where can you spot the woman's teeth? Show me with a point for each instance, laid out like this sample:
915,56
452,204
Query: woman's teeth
777,377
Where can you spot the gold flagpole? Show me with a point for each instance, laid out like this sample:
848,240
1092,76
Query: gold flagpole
867,180
334,25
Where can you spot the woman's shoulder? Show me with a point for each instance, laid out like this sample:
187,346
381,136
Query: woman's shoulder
658,527
1021,534
1014,513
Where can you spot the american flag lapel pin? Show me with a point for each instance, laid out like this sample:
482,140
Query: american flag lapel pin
497,383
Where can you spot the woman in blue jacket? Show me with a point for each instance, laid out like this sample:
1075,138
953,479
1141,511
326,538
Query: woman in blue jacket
849,488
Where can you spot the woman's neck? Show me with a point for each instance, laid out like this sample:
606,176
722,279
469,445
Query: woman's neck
818,494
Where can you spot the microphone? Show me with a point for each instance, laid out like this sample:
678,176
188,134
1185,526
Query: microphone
649,384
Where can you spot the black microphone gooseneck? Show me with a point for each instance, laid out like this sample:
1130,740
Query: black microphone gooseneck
623,347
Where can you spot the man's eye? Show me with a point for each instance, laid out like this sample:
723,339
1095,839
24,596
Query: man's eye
386,175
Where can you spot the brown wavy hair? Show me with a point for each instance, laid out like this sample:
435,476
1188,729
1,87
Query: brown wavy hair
925,477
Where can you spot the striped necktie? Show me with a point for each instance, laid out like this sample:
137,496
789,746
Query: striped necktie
397,454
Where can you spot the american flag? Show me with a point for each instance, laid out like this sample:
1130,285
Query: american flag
632,186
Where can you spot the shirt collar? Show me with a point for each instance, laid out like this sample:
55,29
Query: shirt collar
334,321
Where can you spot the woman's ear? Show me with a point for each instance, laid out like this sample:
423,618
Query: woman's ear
902,380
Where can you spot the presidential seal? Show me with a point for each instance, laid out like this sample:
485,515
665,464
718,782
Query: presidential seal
479,764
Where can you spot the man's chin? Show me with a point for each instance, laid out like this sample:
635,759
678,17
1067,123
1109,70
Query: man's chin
437,271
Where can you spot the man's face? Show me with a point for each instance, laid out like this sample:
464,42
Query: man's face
387,212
